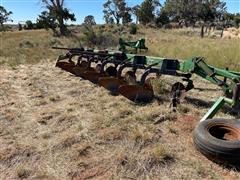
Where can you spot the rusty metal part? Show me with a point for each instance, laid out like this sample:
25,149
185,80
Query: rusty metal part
136,93
110,83
67,66
81,68
92,76
225,132
83,64
78,70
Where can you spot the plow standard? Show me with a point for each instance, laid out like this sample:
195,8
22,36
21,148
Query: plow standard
218,139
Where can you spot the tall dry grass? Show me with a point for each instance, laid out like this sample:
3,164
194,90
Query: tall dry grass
184,44
30,47
34,46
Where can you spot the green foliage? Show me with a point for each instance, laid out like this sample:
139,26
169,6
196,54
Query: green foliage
162,19
89,20
100,39
46,20
116,10
237,20
29,25
90,35
192,11
146,11
55,16
4,17
133,29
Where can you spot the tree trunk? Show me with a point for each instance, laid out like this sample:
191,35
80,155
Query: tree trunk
62,27
222,32
202,31
117,21
1,27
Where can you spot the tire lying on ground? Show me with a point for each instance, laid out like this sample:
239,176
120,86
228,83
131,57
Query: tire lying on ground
219,140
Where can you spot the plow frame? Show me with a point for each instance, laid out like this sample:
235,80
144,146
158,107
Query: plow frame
229,81
136,45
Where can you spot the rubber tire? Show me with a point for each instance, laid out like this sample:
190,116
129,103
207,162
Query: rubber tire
218,150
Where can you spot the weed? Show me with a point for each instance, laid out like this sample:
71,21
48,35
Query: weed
160,153
170,128
141,135
183,109
21,172
54,98
26,44
80,127
133,29
160,87
170,116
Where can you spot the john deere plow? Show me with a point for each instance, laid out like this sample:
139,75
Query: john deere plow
118,72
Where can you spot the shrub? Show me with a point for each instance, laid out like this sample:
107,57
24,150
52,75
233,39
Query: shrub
29,25
100,39
133,29
55,42
26,44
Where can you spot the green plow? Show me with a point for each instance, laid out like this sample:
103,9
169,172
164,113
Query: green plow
117,72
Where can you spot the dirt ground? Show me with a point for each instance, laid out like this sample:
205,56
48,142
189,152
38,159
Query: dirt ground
54,125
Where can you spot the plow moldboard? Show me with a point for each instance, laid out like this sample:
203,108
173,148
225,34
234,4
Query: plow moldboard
136,93
92,76
110,83
67,66
80,71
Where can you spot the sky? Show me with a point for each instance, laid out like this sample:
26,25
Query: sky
30,9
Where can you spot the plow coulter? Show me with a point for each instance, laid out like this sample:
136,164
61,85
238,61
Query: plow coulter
118,72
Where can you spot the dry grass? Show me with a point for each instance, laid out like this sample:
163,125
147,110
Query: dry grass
54,125
35,46
31,47
184,44
81,132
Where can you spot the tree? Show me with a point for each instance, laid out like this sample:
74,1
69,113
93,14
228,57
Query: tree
236,19
211,11
162,18
194,10
89,20
108,19
146,11
29,25
57,13
4,17
183,10
126,16
47,21
135,10
117,10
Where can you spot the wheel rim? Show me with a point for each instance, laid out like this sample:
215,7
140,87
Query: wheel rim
225,132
